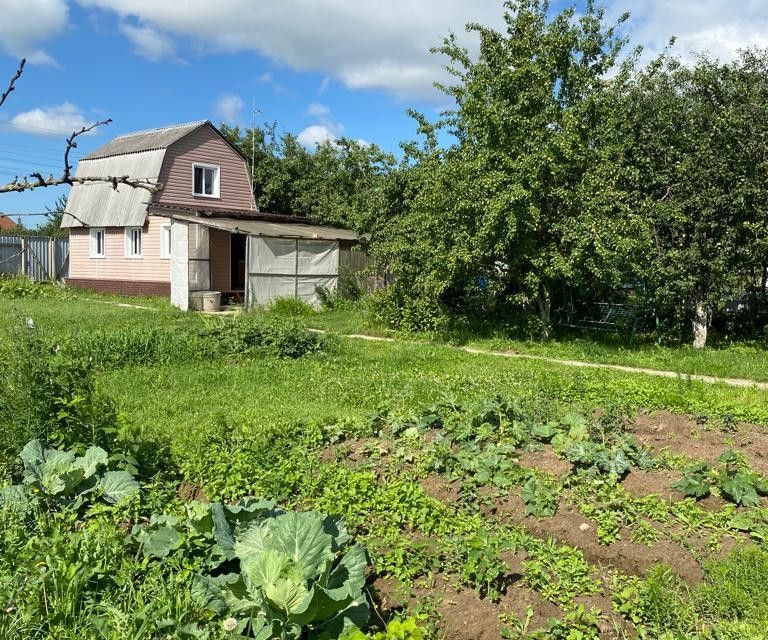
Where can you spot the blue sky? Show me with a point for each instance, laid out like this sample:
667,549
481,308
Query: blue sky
321,68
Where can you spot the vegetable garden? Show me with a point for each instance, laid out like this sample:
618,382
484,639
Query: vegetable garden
172,476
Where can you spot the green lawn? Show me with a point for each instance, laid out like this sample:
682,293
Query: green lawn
749,361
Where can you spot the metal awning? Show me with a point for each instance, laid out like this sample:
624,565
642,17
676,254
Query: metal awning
270,229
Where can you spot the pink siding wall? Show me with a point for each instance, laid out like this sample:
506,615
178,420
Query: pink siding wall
206,147
220,263
115,266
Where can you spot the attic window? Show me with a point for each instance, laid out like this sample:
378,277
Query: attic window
206,180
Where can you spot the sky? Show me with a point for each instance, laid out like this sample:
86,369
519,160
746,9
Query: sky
320,68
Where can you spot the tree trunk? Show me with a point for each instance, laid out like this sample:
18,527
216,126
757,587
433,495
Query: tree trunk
700,323
544,304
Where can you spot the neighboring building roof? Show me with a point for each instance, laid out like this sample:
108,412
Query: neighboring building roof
6,223
148,140
271,229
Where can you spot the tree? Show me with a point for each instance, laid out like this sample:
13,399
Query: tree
529,193
340,182
699,153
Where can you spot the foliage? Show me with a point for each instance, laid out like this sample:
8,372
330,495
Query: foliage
62,477
688,126
407,629
341,182
732,476
47,396
527,194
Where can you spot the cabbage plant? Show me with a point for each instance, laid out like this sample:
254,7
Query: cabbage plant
299,577
65,478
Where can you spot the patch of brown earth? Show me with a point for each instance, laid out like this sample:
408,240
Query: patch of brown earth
570,527
546,461
188,491
640,483
464,615
681,435
441,488
359,451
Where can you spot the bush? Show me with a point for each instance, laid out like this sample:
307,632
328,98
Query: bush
46,395
391,308
291,307
253,334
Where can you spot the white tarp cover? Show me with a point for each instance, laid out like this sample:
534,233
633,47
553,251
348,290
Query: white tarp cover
179,262
199,258
286,267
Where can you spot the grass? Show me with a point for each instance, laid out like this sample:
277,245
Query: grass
238,424
739,360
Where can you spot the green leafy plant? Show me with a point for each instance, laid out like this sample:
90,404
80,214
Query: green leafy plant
539,496
732,476
63,478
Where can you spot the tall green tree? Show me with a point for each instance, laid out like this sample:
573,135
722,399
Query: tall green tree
529,194
699,155
341,182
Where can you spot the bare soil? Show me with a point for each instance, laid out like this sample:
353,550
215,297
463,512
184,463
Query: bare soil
546,461
640,483
682,435
442,488
570,527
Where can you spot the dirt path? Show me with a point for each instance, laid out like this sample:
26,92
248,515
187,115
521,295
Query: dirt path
733,382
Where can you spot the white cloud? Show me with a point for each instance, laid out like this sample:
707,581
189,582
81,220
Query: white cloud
317,134
363,44
229,107
324,86
51,121
149,43
319,110
25,24
717,27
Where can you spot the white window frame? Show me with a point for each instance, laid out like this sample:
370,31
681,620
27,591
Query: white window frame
216,180
93,234
165,241
129,242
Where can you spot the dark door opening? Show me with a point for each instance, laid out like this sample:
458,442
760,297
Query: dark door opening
237,256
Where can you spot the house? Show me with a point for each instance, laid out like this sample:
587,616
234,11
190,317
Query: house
202,231
6,224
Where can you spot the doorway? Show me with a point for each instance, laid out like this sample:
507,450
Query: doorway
237,265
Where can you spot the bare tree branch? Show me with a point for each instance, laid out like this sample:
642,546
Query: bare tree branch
25,184
38,181
11,84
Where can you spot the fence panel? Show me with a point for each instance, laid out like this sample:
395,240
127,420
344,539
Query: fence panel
10,255
38,257
61,256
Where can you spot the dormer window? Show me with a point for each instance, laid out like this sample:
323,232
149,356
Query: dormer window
205,180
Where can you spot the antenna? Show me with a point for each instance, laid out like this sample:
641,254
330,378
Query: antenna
253,145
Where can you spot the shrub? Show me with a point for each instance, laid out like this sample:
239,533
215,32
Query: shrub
391,308
291,307
46,395
22,287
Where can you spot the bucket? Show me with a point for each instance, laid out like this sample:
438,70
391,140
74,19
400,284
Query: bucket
205,300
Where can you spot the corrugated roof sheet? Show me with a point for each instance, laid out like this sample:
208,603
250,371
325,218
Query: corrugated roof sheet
97,204
218,212
271,229
148,140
